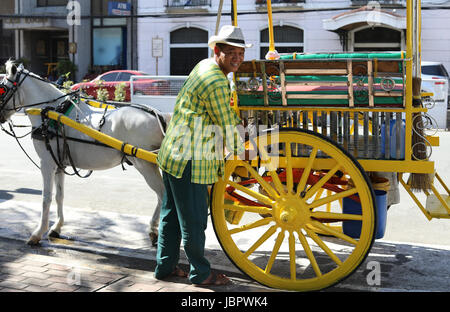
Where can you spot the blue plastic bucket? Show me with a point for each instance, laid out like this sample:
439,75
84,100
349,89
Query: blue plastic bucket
353,228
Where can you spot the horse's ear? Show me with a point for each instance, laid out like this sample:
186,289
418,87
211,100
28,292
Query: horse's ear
9,67
13,69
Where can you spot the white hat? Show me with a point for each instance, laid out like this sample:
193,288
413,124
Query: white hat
230,35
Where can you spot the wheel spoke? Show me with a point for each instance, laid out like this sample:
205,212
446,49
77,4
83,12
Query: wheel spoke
319,194
334,232
277,182
250,226
267,161
261,240
332,198
309,253
264,199
292,262
289,176
275,250
265,158
322,245
301,185
269,189
335,216
322,181
254,209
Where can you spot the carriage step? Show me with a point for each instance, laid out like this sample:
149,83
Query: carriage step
436,208
437,205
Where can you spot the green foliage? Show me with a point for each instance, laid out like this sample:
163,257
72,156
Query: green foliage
102,93
119,92
66,67
67,85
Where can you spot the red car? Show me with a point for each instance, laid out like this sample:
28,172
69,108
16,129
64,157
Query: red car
112,78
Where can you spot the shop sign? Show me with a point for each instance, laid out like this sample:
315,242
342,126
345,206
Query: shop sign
72,47
119,8
25,22
157,47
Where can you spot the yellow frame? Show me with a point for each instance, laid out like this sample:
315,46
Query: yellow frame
97,135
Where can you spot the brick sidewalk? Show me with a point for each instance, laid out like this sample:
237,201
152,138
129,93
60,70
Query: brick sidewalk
38,269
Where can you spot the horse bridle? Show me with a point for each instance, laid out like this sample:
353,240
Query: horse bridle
7,92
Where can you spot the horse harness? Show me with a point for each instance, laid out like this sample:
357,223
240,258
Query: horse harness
51,129
6,92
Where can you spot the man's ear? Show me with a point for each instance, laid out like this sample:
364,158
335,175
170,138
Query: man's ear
216,50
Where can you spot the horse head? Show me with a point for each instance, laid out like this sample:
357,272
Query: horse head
8,89
21,89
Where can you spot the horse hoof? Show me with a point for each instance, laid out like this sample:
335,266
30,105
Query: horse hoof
33,241
154,239
53,234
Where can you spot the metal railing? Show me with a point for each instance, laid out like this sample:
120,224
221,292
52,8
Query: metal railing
279,1
187,3
380,2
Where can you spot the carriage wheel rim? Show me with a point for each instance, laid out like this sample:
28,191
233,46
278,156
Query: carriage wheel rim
292,222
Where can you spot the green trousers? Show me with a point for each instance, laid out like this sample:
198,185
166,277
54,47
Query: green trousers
184,215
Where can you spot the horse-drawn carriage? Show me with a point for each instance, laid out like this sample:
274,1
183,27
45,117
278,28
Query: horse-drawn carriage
300,212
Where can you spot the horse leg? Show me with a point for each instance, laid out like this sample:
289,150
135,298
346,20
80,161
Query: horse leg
48,173
154,180
55,230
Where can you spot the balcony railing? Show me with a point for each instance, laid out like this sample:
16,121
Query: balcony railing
381,2
187,3
279,1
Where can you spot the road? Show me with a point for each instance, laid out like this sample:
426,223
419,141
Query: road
413,251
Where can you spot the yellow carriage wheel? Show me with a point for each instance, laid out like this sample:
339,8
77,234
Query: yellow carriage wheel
270,223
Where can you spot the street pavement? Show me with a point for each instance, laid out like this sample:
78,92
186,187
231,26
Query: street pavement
113,252
104,251
51,268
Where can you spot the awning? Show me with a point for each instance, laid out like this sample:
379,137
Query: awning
34,23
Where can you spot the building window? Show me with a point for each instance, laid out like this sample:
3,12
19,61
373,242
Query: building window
108,47
44,3
109,37
188,46
377,39
288,39
7,48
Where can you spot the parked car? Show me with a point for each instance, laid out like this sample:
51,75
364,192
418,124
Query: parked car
435,80
111,79
436,71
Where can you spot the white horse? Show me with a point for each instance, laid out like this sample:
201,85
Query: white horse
23,89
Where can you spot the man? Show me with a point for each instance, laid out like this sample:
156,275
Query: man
189,159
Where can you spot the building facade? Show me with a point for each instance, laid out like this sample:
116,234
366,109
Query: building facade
96,35
7,36
184,27
168,37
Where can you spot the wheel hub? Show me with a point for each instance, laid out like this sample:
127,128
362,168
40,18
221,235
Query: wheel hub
291,212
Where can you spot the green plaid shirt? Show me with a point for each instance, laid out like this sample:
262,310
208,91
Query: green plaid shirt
201,118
